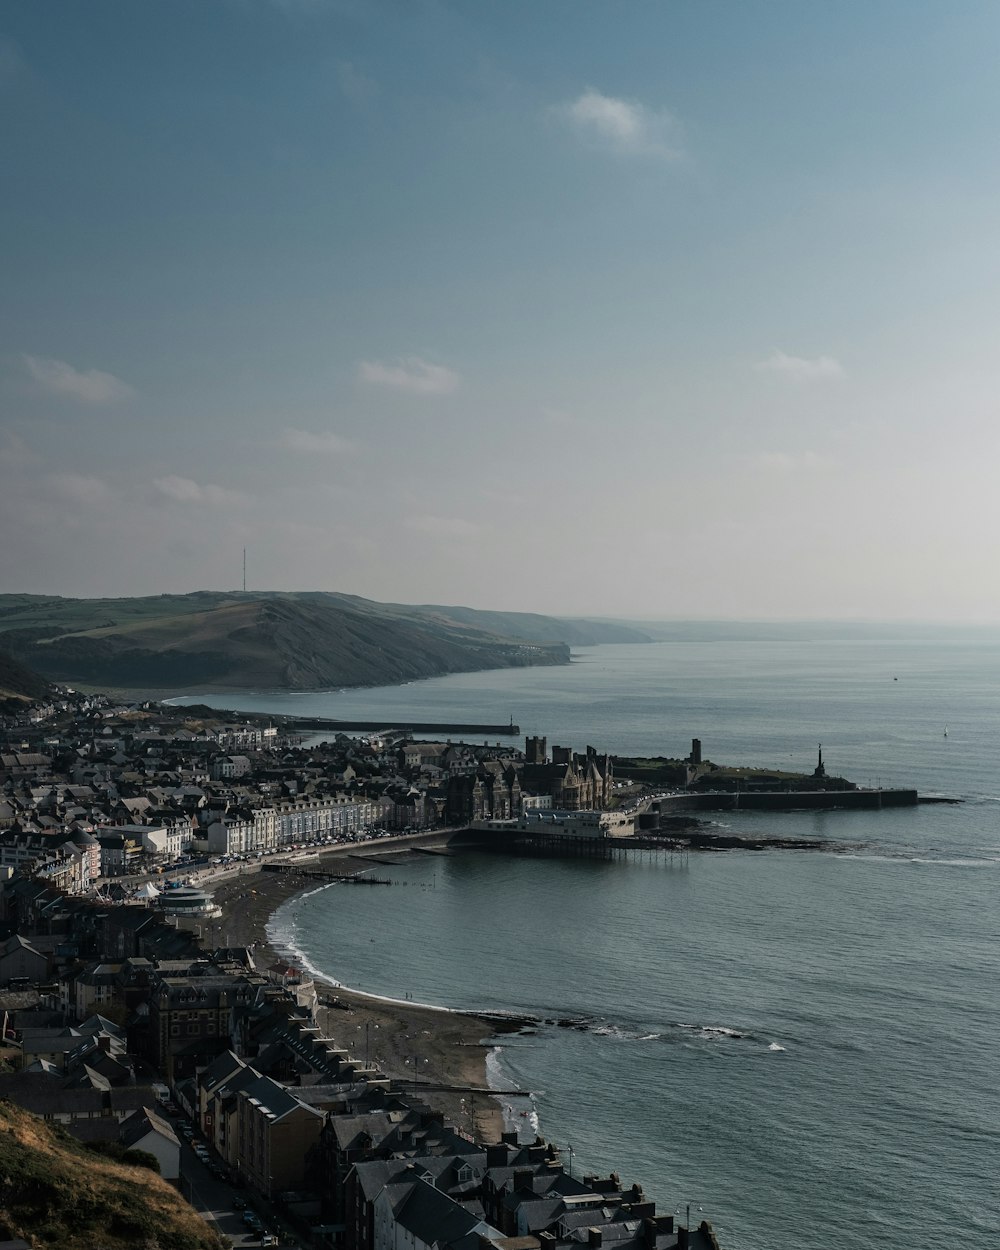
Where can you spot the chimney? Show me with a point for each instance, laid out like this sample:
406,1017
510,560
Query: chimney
522,1179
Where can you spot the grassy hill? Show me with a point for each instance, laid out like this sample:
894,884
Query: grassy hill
286,641
56,1193
18,684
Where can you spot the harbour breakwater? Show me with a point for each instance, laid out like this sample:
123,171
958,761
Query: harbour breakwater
319,724
786,800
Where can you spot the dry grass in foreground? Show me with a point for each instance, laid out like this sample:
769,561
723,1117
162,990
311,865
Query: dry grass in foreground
54,1192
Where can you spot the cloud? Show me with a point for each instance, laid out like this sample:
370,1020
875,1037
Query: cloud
326,443
355,85
558,417
801,368
78,487
90,386
12,64
443,526
184,490
15,452
410,374
790,462
624,126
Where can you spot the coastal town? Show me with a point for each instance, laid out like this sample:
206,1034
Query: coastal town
142,848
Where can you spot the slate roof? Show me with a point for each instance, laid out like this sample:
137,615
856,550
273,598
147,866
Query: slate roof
141,1123
374,1174
431,1216
349,1130
273,1099
100,1024
59,1041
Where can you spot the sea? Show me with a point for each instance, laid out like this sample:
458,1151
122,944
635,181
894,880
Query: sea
801,1046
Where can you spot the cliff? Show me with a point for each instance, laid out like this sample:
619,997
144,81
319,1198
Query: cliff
237,641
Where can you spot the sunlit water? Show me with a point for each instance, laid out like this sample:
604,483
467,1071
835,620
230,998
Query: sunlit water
803,1044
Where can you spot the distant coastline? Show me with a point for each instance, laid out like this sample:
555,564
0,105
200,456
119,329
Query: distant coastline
269,640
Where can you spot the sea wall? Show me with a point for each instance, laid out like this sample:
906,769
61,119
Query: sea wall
786,800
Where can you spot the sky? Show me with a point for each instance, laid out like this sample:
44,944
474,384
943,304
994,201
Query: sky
672,309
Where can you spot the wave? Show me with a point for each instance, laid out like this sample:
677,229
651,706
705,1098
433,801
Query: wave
518,1108
908,857
671,1032
282,934
710,1031
623,1034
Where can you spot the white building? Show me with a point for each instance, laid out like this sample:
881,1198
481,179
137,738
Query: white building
554,823
303,820
226,767
231,835
163,843
146,1130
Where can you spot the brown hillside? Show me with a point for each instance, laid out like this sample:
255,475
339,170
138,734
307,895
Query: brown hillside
58,1195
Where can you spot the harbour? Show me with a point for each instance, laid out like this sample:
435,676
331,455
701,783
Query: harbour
754,1016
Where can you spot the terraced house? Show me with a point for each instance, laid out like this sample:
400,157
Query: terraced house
190,1018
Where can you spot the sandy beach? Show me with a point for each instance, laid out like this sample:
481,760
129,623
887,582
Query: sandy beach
447,1048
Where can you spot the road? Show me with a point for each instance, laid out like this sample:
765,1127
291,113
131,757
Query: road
214,1200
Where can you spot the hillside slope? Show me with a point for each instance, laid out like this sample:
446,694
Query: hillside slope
290,642
56,1193
19,684
574,631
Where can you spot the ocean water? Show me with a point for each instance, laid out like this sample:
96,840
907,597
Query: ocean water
802,1044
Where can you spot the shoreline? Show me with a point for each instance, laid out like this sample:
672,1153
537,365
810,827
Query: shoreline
450,1048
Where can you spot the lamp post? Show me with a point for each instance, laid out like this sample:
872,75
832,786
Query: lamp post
368,1030
416,1066
677,1211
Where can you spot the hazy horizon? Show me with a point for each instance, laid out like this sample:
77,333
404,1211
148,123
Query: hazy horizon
782,624
662,311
